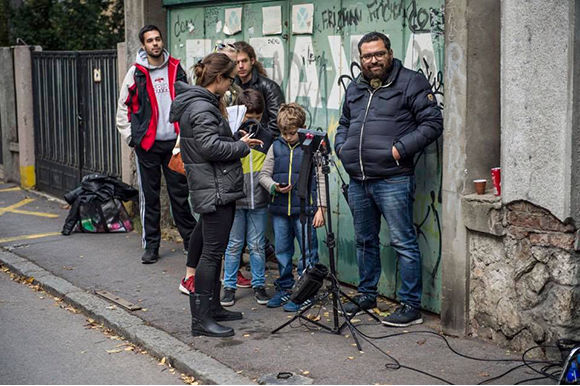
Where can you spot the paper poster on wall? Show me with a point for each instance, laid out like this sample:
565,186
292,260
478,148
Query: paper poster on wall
195,49
233,21
302,18
270,52
272,20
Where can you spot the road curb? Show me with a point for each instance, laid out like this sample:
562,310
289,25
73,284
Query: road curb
158,342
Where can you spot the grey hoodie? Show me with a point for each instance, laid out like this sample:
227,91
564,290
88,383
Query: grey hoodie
160,79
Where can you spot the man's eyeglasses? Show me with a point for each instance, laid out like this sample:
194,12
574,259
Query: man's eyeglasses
379,55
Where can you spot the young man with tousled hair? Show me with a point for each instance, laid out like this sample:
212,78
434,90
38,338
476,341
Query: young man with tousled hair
143,122
251,74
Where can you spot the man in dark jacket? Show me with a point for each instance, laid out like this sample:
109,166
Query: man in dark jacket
251,74
389,115
143,121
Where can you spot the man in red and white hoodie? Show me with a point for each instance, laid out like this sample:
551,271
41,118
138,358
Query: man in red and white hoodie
143,121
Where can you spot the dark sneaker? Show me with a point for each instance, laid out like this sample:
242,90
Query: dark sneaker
293,307
261,295
279,299
243,282
150,256
366,302
404,316
187,286
229,297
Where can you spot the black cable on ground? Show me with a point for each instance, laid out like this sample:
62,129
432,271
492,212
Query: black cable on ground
398,365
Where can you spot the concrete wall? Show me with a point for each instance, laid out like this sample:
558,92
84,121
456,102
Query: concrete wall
471,138
25,114
575,116
8,123
538,119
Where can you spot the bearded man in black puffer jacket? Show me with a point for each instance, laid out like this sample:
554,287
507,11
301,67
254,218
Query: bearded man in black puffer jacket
389,115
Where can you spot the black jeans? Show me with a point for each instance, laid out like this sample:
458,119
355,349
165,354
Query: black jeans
149,166
213,236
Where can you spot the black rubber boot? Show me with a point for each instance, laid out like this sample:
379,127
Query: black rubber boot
202,322
218,312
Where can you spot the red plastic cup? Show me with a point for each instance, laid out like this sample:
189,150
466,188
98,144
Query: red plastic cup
496,179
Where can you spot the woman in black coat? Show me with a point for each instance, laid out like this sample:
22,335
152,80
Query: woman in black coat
215,178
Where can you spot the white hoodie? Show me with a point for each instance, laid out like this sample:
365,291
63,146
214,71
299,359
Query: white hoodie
159,78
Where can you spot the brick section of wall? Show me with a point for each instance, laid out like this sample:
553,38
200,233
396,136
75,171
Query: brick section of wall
525,286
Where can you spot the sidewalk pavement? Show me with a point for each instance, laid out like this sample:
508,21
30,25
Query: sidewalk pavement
75,266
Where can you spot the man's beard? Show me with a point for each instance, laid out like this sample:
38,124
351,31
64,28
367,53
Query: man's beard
153,55
382,74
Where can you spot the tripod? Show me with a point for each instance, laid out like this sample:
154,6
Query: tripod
334,291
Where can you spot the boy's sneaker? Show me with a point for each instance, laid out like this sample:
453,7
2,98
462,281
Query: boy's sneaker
229,297
404,316
261,295
279,299
366,302
293,307
243,282
187,286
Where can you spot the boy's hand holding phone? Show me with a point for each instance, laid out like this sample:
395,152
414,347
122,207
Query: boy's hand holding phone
283,187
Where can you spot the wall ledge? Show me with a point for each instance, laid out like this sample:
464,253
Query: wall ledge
483,213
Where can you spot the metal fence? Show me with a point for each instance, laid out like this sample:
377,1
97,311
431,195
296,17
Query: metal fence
74,111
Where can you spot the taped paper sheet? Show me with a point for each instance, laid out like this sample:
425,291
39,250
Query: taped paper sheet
272,20
233,21
302,18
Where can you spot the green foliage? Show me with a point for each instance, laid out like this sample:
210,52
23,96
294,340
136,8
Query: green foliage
69,24
4,12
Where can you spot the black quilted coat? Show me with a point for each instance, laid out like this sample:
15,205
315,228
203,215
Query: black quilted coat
209,151
402,113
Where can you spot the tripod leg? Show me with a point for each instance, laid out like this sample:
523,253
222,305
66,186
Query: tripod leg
285,324
353,333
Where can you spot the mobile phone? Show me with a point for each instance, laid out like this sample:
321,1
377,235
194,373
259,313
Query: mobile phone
282,184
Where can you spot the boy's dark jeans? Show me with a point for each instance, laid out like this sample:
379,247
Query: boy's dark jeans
286,230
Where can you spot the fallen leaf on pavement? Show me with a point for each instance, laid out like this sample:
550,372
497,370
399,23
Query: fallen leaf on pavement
381,313
114,351
306,372
246,335
483,374
351,358
187,379
67,268
421,342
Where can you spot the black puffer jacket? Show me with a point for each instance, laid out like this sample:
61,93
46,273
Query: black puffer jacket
273,97
209,152
401,113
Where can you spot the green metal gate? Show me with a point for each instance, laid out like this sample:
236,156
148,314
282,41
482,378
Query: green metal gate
309,67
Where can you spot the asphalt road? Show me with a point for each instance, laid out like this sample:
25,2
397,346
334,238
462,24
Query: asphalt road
43,343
